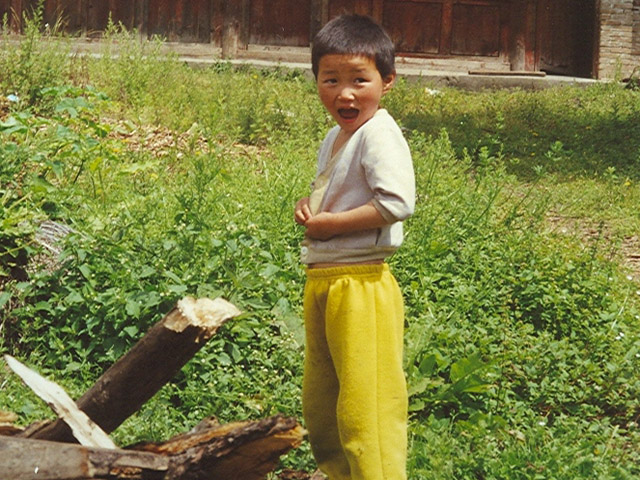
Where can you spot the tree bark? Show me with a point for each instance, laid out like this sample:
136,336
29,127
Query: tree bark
149,365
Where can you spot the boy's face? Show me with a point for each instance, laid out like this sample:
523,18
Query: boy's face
350,87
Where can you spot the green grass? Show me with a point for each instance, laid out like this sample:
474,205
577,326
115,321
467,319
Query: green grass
522,335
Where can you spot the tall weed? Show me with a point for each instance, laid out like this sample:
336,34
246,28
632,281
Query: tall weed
38,59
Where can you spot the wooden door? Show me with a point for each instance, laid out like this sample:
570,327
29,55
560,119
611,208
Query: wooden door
565,36
447,27
280,22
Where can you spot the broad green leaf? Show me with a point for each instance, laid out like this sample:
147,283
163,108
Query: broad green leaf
4,298
466,366
132,307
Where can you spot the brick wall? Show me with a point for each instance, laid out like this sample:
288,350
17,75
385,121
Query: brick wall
635,48
619,49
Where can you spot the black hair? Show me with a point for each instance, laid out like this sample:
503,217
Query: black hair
354,35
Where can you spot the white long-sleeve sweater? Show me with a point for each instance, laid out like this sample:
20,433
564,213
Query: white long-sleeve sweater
374,166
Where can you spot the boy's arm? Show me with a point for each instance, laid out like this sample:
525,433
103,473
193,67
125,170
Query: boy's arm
326,225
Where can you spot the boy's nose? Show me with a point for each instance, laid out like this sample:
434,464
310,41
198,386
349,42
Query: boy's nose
346,93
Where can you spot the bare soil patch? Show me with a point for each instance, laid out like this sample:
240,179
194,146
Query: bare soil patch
626,251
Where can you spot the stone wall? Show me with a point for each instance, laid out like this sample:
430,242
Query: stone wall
618,52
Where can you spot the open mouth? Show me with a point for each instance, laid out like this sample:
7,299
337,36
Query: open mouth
348,113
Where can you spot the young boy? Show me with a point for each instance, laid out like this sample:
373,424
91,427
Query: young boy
354,392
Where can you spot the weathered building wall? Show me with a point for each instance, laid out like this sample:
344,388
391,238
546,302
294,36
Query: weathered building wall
618,50
635,48
587,38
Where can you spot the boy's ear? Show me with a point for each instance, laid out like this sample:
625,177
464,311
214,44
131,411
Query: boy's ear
387,82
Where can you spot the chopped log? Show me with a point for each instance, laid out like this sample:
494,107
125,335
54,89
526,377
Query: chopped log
83,428
26,459
235,451
148,366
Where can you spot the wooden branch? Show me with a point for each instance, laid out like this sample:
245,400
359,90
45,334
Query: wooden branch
235,451
25,459
84,430
150,364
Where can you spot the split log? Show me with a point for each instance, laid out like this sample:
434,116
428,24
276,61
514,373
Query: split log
146,368
26,459
83,428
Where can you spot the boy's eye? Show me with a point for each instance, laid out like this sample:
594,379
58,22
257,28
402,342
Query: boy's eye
361,80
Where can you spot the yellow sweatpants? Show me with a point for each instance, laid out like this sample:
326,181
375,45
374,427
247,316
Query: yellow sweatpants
354,396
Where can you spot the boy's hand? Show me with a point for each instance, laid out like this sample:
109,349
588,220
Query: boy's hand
322,226
302,211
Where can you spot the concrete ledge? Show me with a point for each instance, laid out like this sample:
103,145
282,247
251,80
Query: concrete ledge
434,77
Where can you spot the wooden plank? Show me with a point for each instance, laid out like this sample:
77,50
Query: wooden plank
24,459
149,365
447,27
142,18
280,22
216,17
119,11
180,20
84,430
339,7
159,19
414,27
192,18
233,27
475,30
319,15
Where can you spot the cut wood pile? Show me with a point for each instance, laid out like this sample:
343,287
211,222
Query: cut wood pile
77,445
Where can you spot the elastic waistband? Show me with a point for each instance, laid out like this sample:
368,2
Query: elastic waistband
350,269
